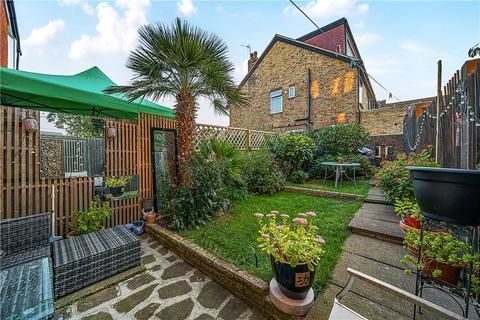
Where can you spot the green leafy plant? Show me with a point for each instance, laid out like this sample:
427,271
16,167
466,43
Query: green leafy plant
298,176
292,151
340,139
113,182
407,207
394,179
291,241
92,219
440,247
262,174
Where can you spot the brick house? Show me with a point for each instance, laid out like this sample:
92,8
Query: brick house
317,79
9,38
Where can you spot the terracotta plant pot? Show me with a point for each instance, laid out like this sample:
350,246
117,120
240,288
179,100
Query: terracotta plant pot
450,274
404,226
293,282
412,222
151,217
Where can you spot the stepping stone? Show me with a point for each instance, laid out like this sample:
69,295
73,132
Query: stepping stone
156,267
256,316
99,316
148,259
176,270
162,250
139,281
171,258
146,312
174,290
154,245
212,295
204,316
130,302
197,276
178,311
233,309
97,299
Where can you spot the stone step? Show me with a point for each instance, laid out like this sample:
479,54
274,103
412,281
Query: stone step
374,196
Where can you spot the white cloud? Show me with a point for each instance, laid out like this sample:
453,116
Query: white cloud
329,8
418,50
43,35
359,25
240,71
86,7
219,8
116,29
366,39
186,7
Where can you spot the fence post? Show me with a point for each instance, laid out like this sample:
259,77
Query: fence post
248,141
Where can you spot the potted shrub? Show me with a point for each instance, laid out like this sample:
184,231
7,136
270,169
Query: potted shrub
449,195
294,249
410,213
90,220
340,159
117,185
443,256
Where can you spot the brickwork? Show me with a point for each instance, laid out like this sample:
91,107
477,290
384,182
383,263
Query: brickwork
390,140
384,121
3,35
333,90
329,39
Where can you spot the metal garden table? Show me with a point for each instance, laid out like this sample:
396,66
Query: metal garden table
340,170
26,291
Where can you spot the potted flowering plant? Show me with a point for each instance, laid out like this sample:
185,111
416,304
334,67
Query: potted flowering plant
410,213
294,248
117,185
443,256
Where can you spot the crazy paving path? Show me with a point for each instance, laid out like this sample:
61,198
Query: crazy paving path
169,289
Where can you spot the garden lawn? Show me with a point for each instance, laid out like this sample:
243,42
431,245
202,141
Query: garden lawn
233,236
361,188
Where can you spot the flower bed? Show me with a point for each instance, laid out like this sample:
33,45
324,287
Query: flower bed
233,236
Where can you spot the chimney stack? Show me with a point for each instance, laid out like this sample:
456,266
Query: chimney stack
253,59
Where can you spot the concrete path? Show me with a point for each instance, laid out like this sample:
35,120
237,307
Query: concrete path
169,289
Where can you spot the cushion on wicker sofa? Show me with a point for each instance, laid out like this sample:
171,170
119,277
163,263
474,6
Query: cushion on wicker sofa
89,258
24,239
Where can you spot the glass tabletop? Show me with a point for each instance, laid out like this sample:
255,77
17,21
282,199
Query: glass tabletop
26,291
344,164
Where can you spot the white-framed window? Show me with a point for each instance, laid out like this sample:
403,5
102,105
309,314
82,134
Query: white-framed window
388,151
291,91
276,101
378,151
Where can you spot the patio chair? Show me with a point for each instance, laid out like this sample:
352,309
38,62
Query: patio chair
342,312
24,239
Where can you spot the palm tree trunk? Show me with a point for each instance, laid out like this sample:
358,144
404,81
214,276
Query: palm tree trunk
185,118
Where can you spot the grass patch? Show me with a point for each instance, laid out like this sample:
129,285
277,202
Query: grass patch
233,236
361,188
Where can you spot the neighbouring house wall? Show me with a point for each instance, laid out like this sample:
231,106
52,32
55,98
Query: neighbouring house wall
3,35
328,40
384,121
395,141
334,90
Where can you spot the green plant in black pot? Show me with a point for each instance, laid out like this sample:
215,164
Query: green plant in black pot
92,219
117,185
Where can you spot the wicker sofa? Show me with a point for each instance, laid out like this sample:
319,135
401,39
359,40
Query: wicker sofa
24,239
86,259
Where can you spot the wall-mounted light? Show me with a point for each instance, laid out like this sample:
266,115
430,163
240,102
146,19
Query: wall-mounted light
30,124
111,132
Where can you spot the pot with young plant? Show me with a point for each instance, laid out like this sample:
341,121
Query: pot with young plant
117,185
90,220
442,255
410,213
294,248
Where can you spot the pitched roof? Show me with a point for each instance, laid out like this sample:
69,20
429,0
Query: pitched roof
297,43
323,29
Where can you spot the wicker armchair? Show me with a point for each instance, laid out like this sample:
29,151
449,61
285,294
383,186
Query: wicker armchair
24,239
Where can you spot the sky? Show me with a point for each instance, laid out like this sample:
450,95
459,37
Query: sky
399,41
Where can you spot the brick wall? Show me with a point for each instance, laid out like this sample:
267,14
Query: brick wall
383,121
334,90
395,141
3,35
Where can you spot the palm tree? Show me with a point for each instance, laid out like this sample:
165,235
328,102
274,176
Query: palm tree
187,63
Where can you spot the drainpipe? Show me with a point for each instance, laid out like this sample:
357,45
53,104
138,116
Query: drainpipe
309,100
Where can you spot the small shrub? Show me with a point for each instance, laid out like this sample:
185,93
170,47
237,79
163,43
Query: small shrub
92,219
292,151
113,182
394,179
298,176
262,175
340,139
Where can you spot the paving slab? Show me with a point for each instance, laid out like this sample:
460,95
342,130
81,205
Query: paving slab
389,231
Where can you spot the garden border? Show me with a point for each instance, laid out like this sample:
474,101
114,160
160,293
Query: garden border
324,193
252,290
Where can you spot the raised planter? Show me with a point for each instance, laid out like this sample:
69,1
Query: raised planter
449,195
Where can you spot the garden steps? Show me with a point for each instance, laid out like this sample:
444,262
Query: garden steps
374,196
377,221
